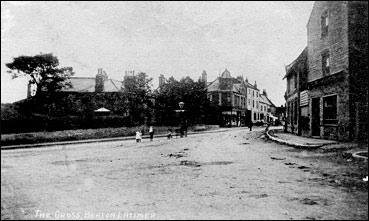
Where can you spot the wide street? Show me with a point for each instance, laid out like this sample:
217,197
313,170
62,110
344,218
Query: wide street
234,174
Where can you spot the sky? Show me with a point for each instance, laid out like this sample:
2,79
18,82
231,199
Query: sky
252,39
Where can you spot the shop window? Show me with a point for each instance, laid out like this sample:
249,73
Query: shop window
330,110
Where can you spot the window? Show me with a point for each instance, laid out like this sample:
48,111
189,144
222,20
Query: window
330,110
249,101
249,90
254,116
253,93
211,97
229,98
253,103
257,94
325,63
324,24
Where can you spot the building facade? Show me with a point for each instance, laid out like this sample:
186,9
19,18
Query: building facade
296,95
253,100
230,95
267,109
337,79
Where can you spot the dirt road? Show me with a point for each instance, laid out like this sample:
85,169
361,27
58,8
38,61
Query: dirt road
229,175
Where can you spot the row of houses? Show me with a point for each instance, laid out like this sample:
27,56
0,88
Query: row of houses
327,84
240,102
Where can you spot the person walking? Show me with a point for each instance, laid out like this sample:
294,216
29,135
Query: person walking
250,125
151,132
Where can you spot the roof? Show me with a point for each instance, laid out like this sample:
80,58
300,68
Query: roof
226,74
291,66
266,100
86,84
225,84
250,85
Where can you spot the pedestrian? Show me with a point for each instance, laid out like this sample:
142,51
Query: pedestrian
169,134
151,132
138,136
250,125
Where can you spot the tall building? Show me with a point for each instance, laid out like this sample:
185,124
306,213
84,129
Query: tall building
337,79
230,95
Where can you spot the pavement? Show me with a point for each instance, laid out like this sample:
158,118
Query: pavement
276,134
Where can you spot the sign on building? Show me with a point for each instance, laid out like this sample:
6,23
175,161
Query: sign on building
304,98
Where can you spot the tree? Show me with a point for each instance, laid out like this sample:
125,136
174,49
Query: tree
138,94
192,93
42,70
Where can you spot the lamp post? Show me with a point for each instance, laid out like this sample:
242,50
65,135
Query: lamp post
182,120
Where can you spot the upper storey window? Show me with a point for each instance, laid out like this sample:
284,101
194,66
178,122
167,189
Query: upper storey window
325,63
324,24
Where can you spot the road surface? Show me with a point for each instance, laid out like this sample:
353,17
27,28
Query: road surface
235,174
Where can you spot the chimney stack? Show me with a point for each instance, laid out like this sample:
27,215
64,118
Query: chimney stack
101,77
204,77
161,80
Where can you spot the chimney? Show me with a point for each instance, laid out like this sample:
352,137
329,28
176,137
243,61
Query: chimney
204,77
240,78
161,80
247,80
99,80
265,93
255,85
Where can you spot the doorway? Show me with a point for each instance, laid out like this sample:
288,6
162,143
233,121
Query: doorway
315,114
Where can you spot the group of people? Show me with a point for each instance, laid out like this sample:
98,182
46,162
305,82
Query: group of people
151,132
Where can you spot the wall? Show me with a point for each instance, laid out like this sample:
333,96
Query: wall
336,41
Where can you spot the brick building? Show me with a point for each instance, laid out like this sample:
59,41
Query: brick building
230,95
296,95
337,80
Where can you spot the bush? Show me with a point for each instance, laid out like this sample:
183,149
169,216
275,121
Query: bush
44,123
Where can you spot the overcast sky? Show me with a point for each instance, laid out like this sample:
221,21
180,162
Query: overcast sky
253,39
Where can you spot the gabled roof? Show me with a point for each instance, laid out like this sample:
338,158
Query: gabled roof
291,66
266,100
86,84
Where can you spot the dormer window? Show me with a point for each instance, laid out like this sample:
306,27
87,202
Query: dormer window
324,24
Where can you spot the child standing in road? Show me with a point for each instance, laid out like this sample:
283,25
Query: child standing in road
169,134
138,136
151,132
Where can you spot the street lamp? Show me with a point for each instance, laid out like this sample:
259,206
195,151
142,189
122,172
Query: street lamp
182,120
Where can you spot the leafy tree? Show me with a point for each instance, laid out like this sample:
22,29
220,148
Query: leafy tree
192,93
43,71
138,95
